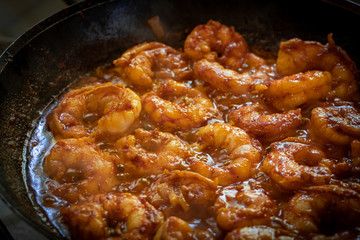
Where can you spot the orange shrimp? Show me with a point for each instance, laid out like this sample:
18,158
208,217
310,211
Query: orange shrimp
323,207
268,127
244,153
216,42
296,56
295,165
302,88
112,215
175,106
102,111
147,62
238,206
80,168
150,152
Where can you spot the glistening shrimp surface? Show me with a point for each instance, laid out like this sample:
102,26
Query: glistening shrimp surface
211,142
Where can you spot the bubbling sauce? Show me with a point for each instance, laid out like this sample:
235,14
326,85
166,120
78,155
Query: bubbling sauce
215,142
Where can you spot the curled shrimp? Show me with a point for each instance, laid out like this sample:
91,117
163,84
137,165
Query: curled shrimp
296,56
182,189
226,80
102,111
292,91
320,207
109,215
295,165
238,206
260,233
147,62
268,127
175,106
176,228
80,168
243,153
213,39
338,123
150,152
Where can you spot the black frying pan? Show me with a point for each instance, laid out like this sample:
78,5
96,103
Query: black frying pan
47,58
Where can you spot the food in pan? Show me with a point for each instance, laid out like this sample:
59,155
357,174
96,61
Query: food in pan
209,142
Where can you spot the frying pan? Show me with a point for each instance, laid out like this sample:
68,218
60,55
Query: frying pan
36,68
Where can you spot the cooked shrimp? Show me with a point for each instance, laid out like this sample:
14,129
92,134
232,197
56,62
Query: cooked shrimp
295,165
330,207
150,152
102,111
147,62
239,206
244,153
259,233
292,91
216,42
80,168
296,56
176,228
226,80
338,123
175,106
182,189
268,127
110,215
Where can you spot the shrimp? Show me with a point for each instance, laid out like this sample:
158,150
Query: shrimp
147,62
243,152
80,168
318,207
176,228
295,165
259,233
338,123
239,206
226,80
101,111
216,42
292,91
112,215
175,106
150,152
182,189
296,56
268,127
